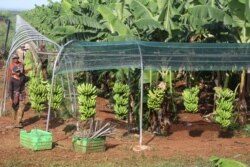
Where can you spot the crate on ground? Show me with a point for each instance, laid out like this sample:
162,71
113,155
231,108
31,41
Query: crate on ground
36,139
86,145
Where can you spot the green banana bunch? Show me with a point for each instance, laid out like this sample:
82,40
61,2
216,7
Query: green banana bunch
86,89
87,100
29,63
121,111
225,93
120,88
121,100
37,106
190,97
224,106
57,95
155,98
121,94
37,94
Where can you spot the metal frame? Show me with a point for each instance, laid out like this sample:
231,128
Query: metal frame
25,33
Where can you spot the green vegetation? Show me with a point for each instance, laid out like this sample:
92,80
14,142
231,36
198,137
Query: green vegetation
222,162
131,161
87,20
11,15
246,129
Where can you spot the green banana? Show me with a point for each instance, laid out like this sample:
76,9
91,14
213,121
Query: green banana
224,106
155,98
87,100
190,97
121,94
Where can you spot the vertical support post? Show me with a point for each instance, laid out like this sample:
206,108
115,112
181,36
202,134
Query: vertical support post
141,96
73,87
69,87
7,34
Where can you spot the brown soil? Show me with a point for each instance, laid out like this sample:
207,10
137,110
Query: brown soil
192,137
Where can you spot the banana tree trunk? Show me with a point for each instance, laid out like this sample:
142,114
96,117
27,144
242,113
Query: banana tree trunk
242,85
248,82
226,80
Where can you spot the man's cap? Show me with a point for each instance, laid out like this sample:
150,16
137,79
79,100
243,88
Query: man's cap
15,56
16,69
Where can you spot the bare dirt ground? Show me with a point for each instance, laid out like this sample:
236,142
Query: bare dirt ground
191,138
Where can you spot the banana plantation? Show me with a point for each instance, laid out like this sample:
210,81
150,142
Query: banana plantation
206,77
151,61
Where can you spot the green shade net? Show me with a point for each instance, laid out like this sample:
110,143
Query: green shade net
87,56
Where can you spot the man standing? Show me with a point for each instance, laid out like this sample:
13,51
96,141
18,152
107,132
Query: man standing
15,62
17,93
21,52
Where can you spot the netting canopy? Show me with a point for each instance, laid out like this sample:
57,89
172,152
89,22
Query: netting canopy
82,56
24,34
76,56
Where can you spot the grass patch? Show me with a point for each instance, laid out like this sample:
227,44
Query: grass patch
132,161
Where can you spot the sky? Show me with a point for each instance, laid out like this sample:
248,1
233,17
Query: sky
21,4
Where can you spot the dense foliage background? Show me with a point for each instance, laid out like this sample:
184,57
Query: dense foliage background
150,20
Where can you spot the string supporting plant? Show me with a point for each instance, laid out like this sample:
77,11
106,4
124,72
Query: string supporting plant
190,97
121,94
38,93
224,106
87,101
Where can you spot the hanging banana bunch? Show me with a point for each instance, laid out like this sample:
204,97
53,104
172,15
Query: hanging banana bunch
38,94
190,97
121,94
57,98
87,100
155,99
29,63
224,106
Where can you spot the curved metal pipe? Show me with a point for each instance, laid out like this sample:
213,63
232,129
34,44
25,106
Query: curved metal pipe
52,83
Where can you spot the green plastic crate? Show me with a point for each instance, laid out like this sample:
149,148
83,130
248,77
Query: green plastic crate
36,139
85,145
